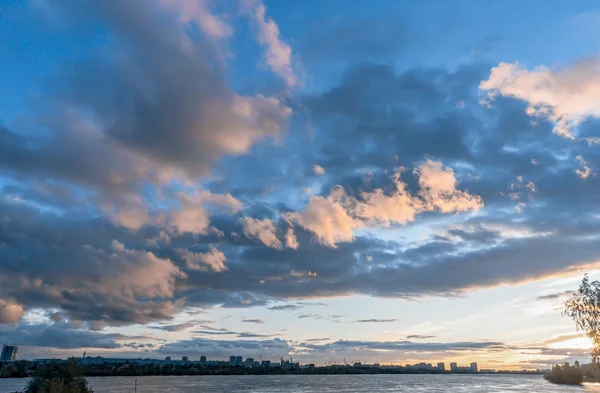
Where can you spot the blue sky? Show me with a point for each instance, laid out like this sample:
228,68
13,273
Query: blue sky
411,181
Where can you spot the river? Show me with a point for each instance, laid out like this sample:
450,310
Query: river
323,383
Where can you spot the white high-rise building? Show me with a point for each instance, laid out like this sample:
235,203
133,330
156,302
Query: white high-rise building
9,353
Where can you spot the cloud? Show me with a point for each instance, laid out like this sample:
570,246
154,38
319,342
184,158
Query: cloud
192,117
278,53
314,316
10,312
374,320
585,170
334,218
291,241
59,336
438,189
213,260
222,349
263,230
418,337
284,307
113,284
192,216
347,345
175,117
563,337
145,142
227,332
199,12
327,219
558,295
56,317
175,328
253,321
318,170
566,96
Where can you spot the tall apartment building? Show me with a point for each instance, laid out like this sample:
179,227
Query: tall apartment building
9,352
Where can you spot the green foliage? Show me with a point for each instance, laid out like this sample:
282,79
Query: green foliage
565,374
16,369
58,378
584,309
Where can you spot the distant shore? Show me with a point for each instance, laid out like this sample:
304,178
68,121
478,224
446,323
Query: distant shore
24,369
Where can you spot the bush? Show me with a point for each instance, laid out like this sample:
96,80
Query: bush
58,378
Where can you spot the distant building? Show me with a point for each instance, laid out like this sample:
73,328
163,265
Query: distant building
441,366
249,363
266,363
238,361
184,359
474,367
287,365
203,360
453,367
9,352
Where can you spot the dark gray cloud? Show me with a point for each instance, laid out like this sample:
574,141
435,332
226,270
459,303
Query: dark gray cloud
407,346
556,296
168,102
418,337
59,336
222,349
139,346
56,317
175,328
285,307
375,320
56,267
312,350
312,340
314,316
226,332
253,321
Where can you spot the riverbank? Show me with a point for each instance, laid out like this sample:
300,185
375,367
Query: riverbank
24,369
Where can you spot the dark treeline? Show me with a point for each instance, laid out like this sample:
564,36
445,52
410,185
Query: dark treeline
23,369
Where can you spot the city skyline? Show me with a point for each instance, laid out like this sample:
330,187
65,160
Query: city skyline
403,183
250,362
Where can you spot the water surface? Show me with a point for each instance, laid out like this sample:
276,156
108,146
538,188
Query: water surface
324,383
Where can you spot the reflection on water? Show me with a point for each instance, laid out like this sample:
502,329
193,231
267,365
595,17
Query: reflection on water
324,383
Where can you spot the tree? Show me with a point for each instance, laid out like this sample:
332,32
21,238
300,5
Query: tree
565,374
58,378
584,309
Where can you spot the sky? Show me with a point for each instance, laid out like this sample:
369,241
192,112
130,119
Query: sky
331,181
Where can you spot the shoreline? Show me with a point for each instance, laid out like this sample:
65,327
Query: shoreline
289,374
